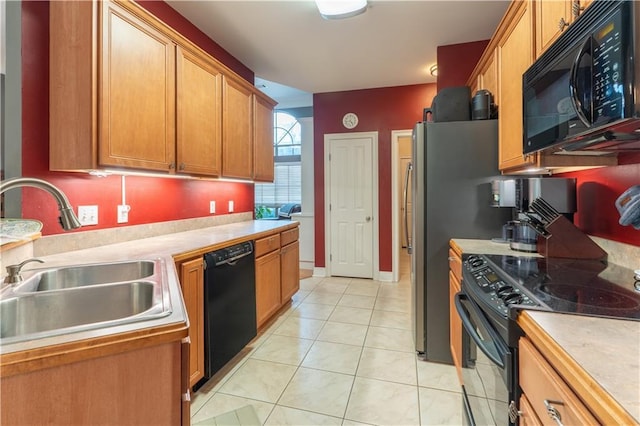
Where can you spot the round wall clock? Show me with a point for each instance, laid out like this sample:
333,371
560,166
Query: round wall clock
350,120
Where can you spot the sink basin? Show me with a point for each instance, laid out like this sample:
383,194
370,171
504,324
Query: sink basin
84,275
41,312
76,298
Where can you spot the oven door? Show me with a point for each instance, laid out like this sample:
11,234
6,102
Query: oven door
489,371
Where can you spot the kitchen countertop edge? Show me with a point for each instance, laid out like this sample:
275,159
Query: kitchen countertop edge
172,248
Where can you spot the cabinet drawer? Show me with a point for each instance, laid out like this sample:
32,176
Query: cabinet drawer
289,236
267,244
455,264
540,383
527,414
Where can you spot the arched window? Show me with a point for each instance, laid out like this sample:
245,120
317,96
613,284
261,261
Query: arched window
287,137
287,185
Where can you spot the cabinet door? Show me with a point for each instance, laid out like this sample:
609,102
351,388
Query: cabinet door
237,135
488,77
262,140
290,270
514,57
199,114
192,283
137,93
547,20
267,286
455,325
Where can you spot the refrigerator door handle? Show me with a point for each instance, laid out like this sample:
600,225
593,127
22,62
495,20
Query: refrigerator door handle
407,174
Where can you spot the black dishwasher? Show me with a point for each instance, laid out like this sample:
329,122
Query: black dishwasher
230,304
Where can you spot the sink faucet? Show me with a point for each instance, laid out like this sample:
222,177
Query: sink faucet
13,271
68,219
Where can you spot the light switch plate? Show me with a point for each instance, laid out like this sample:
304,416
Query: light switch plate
123,213
230,206
212,207
88,215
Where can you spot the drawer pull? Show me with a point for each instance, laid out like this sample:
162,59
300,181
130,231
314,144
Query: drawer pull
552,411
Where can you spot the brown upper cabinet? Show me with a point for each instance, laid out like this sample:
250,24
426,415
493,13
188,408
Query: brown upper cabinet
263,152
553,16
137,88
129,92
525,31
199,114
237,149
515,55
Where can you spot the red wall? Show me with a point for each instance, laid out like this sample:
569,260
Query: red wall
597,191
456,61
381,110
151,199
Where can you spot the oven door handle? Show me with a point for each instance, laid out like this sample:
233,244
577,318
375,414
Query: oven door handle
468,325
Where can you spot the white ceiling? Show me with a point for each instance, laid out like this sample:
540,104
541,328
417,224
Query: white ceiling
287,42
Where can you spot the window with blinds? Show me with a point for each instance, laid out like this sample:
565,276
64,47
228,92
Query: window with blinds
287,185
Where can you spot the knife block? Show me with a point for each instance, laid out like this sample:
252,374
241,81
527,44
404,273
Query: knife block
567,241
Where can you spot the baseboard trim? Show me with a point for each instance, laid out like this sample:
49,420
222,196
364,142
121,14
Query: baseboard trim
319,272
385,276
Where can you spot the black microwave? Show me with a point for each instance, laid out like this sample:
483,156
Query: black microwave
582,93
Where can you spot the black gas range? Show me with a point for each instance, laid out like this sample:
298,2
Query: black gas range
495,288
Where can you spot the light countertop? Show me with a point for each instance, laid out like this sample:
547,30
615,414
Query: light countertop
488,247
170,248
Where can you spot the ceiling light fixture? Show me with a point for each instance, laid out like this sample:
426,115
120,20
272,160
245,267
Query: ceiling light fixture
434,70
339,9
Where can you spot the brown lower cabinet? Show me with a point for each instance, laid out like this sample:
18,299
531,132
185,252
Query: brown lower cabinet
267,286
550,397
192,284
455,323
289,270
134,387
277,272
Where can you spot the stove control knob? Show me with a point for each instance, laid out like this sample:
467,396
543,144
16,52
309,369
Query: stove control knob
504,291
513,298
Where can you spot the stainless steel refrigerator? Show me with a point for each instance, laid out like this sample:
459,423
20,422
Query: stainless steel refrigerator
451,170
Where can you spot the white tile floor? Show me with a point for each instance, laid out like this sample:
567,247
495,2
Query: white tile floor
342,354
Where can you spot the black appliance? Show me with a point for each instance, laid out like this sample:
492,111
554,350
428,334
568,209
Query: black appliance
495,288
582,94
229,304
482,106
286,210
450,197
450,104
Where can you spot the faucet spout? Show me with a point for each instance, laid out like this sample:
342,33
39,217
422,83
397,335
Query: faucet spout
68,219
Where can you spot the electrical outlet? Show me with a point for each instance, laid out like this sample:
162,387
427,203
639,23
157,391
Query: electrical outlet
123,213
88,215
230,206
212,207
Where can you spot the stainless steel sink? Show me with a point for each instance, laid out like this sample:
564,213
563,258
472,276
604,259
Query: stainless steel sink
76,298
85,275
41,312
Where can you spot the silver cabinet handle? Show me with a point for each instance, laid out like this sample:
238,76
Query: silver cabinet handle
562,24
552,411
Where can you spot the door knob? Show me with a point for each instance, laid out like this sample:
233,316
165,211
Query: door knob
368,218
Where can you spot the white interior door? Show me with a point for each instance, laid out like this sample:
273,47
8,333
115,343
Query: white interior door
351,207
